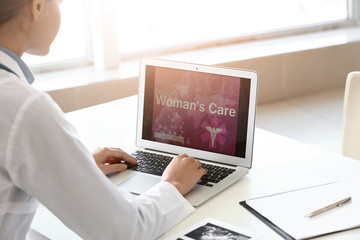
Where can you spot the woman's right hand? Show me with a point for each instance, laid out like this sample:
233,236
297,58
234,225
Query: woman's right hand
183,172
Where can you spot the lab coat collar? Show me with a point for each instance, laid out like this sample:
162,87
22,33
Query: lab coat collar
16,64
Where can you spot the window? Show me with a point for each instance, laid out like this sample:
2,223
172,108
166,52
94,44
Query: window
162,23
132,28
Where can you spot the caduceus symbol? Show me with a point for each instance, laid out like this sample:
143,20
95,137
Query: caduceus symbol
213,133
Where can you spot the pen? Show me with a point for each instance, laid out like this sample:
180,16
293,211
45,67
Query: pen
331,206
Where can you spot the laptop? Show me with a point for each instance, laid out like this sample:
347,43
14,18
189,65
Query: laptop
207,112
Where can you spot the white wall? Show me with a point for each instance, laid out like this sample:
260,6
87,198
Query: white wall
281,77
303,73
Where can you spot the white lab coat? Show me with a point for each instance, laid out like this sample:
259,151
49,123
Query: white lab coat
43,159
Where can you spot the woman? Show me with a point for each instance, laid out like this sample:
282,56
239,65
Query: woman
42,158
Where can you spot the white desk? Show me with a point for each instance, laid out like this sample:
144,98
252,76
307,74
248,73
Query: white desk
279,164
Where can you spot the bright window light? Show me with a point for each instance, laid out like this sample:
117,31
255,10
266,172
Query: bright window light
70,43
147,25
143,25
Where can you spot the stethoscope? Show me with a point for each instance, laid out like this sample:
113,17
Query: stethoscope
7,69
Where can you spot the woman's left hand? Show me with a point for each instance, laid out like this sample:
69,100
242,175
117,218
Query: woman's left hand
108,159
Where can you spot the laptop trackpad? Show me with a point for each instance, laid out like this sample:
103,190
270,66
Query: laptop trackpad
139,183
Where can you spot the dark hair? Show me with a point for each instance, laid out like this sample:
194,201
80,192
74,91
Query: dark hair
10,9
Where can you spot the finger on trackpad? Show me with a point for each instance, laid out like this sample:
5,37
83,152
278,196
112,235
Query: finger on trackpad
139,184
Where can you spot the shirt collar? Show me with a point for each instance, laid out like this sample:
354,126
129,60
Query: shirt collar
24,68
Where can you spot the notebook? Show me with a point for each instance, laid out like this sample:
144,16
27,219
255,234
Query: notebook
207,112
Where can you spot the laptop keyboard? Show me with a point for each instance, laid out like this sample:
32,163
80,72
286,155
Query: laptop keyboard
153,163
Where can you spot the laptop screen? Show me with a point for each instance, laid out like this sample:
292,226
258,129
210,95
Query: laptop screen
207,112
198,110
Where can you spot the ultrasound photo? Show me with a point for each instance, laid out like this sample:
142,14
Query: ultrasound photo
213,232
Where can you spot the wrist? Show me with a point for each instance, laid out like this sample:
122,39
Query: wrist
177,185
